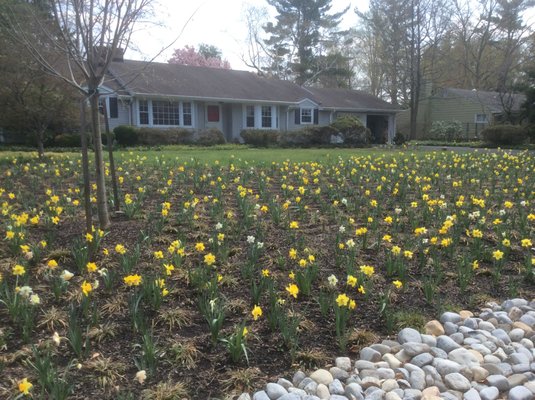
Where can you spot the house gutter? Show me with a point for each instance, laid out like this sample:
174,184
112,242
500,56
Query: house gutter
214,99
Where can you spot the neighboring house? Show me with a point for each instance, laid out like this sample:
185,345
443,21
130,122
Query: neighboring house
169,95
475,109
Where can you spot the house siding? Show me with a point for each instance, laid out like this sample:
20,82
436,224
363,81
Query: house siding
445,109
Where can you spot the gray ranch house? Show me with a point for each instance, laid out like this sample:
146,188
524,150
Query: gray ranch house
161,95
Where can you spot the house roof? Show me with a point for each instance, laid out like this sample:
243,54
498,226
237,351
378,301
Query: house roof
494,101
140,78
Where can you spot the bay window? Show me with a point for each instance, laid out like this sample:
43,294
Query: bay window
165,113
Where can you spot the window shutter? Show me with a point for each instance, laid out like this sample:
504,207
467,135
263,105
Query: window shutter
114,107
316,116
298,116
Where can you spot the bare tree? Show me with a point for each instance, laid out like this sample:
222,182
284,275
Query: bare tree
83,39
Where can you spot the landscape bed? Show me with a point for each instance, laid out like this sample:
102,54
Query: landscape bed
220,276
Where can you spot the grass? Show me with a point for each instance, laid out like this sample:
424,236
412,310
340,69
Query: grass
224,154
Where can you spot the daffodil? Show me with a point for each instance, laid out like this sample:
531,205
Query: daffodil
132,280
293,290
256,312
25,386
209,259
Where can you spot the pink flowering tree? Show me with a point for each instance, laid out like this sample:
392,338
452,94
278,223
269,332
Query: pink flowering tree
205,56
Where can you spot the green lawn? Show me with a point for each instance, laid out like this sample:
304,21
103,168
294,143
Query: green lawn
237,154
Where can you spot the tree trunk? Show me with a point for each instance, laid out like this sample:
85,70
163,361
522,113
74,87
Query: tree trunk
85,170
40,144
112,160
102,203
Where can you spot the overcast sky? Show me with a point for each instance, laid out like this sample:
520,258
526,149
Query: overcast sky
217,22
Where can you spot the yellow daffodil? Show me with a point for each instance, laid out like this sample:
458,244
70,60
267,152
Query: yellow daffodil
132,280
293,290
256,312
25,386
209,259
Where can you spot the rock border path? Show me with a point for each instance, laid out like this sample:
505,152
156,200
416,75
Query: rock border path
459,357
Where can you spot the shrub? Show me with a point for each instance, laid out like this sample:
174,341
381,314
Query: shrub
126,135
447,130
211,137
105,138
352,130
299,138
399,139
157,136
259,137
504,135
67,140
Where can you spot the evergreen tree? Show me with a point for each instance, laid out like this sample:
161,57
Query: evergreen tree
296,38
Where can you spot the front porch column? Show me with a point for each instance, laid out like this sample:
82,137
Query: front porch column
391,128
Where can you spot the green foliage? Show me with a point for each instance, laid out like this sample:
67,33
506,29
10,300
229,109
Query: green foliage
447,130
400,139
157,136
353,131
67,140
210,137
260,137
308,136
499,135
126,135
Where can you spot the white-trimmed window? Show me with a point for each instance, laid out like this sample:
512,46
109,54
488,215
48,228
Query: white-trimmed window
306,115
260,117
249,116
165,113
481,119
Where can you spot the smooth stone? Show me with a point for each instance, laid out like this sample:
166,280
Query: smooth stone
457,337
403,384
322,376
445,367
292,396
378,394
517,380
528,344
515,313
422,359
285,383
498,381
337,397
504,319
354,390
389,384
429,340
449,316
381,348
322,392
274,391
370,381
451,395
392,361
413,349
471,394
339,373
311,387
298,377
500,353
489,393
244,396
492,368
456,381
392,396
491,359
363,364
386,373
336,387
417,379
520,393
525,327
297,391
528,320
521,368
262,395
430,391
531,386
464,357
403,356
471,323
450,328
479,374
369,354
447,344
508,304
466,314
434,328
413,394
343,363
502,335
481,349
518,358
369,373
486,326
505,369
438,353
409,335
305,382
